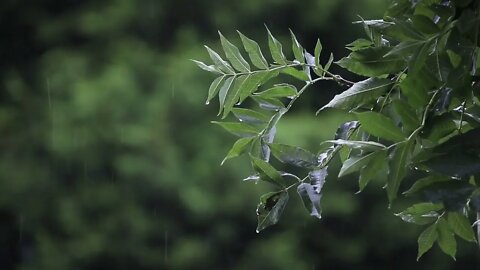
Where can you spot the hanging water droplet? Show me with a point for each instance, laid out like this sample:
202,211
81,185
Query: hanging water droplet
257,231
207,102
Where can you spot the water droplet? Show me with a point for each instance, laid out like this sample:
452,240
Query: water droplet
207,102
257,231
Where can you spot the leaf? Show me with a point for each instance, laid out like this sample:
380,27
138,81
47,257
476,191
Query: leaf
297,74
407,115
376,165
363,145
311,193
398,164
380,126
359,44
355,163
250,116
254,81
405,48
214,87
415,89
317,52
239,129
254,52
233,94
360,93
271,104
297,49
454,194
345,130
238,148
279,90
222,94
234,55
446,238
209,68
372,62
456,164
425,182
267,172
293,155
276,49
270,209
328,64
421,213
220,64
461,226
426,240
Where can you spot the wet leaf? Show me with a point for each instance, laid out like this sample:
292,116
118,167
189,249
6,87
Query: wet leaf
238,148
461,226
234,55
293,155
278,91
398,163
254,52
270,209
446,238
276,49
426,240
380,126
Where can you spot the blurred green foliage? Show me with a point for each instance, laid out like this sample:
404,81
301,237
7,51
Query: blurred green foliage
108,160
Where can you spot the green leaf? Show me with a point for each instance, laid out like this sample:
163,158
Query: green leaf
297,74
461,226
297,49
238,148
398,164
267,172
376,165
233,94
421,213
416,90
214,87
254,81
446,238
222,94
239,129
328,64
404,48
363,145
250,116
254,52
293,155
271,104
234,55
425,182
270,209
310,193
355,163
360,93
279,90
209,68
220,64
407,115
276,49
317,52
372,62
426,240
359,44
380,126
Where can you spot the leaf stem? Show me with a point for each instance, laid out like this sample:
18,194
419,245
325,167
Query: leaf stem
424,116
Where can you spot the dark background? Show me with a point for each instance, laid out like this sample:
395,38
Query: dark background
108,159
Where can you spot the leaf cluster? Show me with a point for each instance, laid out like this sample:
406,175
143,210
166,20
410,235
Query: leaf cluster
417,109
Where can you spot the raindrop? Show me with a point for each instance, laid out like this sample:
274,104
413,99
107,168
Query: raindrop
208,102
257,231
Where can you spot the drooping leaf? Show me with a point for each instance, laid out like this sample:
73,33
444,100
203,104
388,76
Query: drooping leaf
446,238
293,155
426,239
234,55
461,226
270,209
239,129
360,93
214,88
297,49
372,62
376,166
276,49
311,193
250,116
267,172
279,90
219,62
238,148
380,126
398,164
